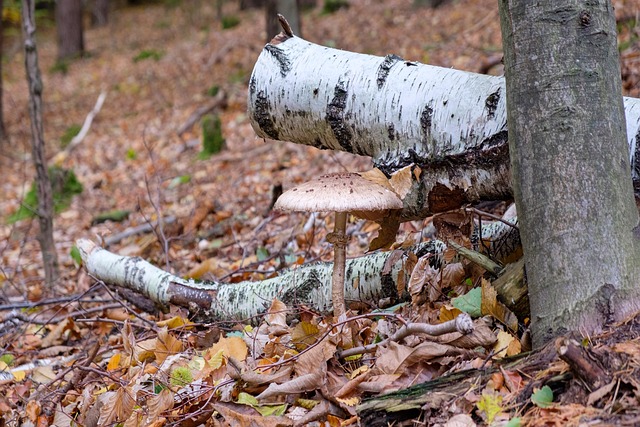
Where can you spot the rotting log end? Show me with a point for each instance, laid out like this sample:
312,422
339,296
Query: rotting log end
286,31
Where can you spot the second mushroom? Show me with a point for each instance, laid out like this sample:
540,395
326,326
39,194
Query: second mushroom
342,193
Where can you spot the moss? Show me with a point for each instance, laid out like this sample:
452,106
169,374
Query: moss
64,185
69,134
212,139
230,21
332,6
156,55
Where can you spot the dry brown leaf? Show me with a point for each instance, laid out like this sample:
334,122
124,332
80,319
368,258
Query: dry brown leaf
246,416
118,405
159,403
166,345
315,359
460,420
491,306
277,313
379,383
402,180
424,282
377,176
387,232
391,357
304,334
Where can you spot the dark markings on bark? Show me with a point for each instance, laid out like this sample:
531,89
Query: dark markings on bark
491,103
263,117
281,57
319,144
426,118
384,68
301,293
391,131
335,117
388,289
585,18
252,85
185,296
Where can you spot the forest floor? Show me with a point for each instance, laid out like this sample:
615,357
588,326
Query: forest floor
157,65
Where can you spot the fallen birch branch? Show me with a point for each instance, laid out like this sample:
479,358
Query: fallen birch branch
450,124
370,279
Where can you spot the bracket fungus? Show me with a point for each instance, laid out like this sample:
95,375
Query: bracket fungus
342,193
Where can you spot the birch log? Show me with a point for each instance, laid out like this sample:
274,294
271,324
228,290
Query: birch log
369,279
452,124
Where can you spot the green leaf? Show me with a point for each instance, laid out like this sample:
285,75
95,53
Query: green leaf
513,422
469,302
7,358
247,399
75,255
262,253
542,397
178,180
267,410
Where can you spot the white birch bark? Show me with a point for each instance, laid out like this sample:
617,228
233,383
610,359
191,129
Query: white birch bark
451,123
369,279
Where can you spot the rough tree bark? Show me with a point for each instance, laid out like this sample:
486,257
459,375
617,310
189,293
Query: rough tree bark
69,28
452,124
45,202
3,131
570,163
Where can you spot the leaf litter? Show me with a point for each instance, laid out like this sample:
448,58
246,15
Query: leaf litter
81,353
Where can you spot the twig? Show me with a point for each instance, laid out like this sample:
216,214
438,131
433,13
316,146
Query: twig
220,100
139,229
87,122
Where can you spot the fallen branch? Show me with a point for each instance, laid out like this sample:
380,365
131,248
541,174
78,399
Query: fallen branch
87,122
380,276
220,100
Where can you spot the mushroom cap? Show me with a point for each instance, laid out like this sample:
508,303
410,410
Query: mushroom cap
339,192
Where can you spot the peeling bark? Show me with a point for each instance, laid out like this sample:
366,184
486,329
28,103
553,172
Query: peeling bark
452,124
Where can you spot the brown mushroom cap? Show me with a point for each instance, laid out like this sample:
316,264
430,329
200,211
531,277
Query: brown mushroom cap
339,192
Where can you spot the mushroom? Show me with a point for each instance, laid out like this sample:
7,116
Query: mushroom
341,193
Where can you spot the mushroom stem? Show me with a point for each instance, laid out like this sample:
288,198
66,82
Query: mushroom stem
339,240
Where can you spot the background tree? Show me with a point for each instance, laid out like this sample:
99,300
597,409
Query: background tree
100,13
3,132
570,164
45,202
289,9
69,28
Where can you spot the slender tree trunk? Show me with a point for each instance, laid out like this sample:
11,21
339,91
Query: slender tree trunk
287,8
3,131
45,202
69,28
100,13
570,164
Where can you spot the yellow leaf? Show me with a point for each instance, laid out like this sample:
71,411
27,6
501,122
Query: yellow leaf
231,347
175,322
448,313
19,375
114,362
491,405
349,401
503,343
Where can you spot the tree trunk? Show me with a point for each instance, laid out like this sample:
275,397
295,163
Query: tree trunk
451,124
287,8
70,29
45,202
3,130
100,13
570,164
